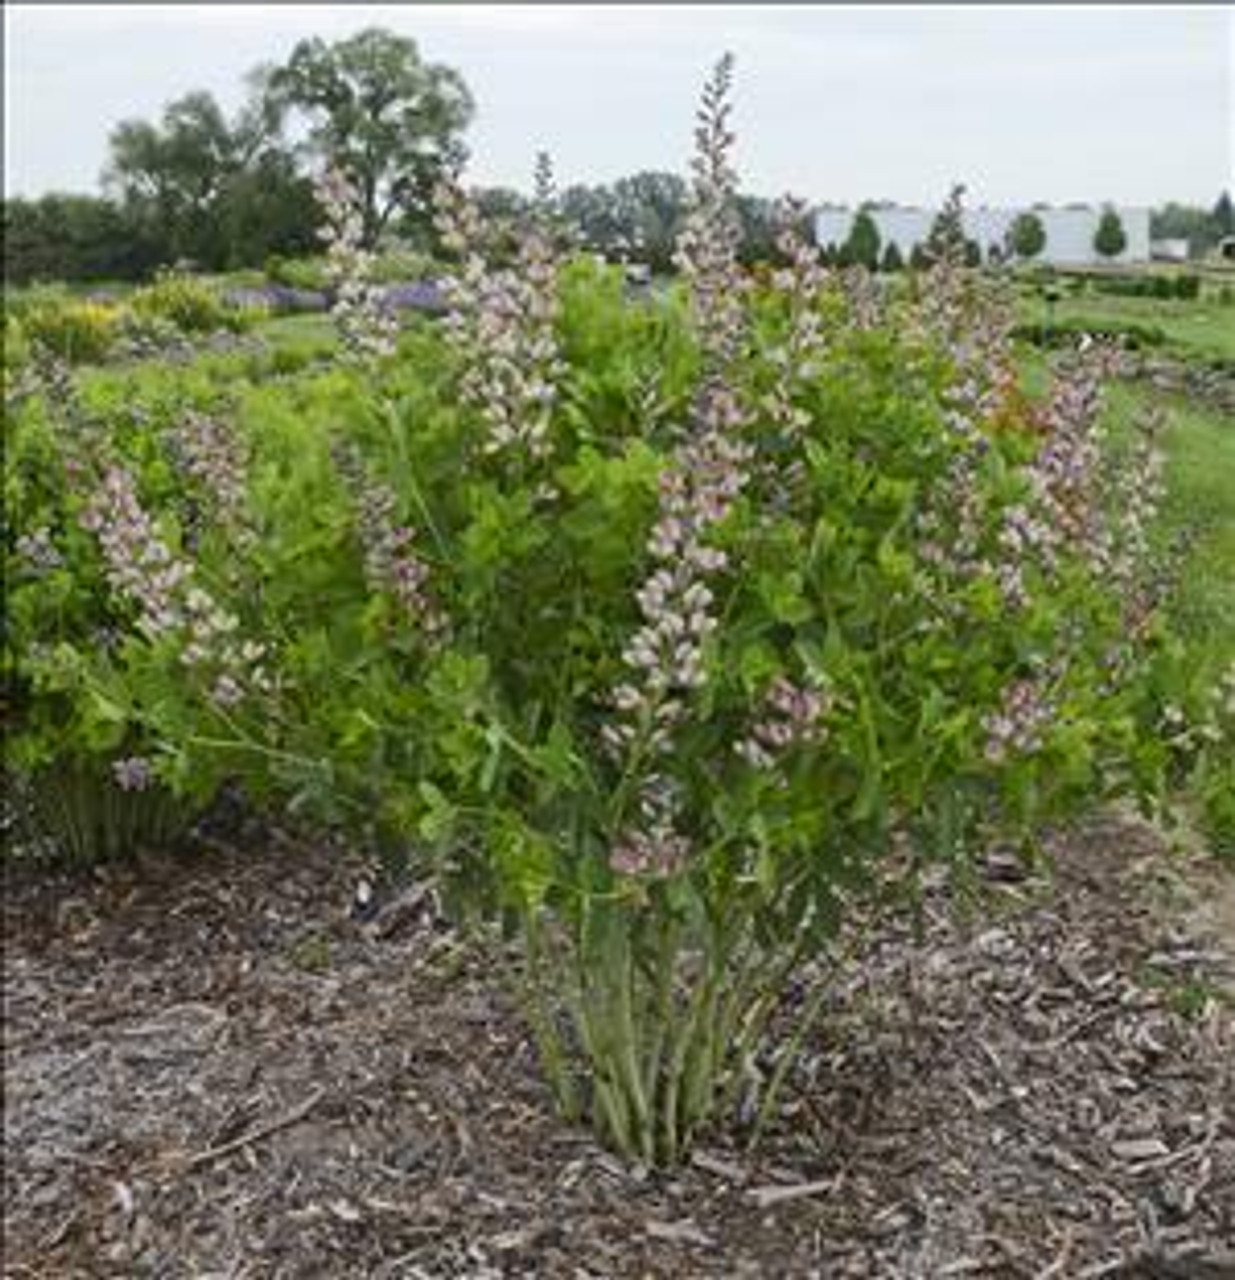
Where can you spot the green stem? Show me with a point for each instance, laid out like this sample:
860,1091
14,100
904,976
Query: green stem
788,1054
662,1010
671,1132
409,477
539,1012
628,1054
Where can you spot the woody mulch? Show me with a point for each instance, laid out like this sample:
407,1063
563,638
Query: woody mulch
211,1070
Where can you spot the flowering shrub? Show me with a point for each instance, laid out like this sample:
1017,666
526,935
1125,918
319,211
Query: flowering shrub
190,305
685,614
366,326
99,590
662,626
76,331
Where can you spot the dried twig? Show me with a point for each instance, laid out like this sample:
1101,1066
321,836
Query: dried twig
256,1135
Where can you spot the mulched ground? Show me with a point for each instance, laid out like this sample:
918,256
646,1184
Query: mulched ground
211,1071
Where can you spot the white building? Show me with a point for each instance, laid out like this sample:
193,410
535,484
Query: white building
1173,249
1069,232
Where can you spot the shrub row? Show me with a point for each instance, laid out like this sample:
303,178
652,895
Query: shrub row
88,330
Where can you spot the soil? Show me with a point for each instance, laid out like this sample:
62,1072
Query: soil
211,1069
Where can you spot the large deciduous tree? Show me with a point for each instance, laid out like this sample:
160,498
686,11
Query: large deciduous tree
223,192
171,174
374,109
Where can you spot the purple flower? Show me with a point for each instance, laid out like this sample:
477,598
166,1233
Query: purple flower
142,569
133,773
665,658
503,323
366,323
391,563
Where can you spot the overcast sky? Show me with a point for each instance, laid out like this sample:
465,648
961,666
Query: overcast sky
1054,103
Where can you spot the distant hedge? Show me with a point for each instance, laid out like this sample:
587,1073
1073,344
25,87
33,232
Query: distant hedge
1185,287
78,238
1065,333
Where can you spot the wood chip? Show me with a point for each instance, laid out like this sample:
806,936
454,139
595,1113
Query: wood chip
722,1168
1132,1150
684,1232
766,1197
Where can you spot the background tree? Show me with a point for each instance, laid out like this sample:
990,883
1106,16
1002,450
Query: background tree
756,217
67,237
862,246
594,214
893,260
1109,239
650,206
392,122
221,192
170,176
1027,238
1200,227
1224,216
946,238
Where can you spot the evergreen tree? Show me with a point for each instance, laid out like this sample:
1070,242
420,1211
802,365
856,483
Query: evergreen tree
892,258
1110,239
946,239
863,242
1224,216
1027,238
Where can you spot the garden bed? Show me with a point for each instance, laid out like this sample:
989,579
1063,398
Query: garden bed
212,1069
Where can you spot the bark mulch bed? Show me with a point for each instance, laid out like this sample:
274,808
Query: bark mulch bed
210,1070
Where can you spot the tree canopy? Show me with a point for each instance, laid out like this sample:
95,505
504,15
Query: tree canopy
1027,237
376,110
1110,239
220,192
862,246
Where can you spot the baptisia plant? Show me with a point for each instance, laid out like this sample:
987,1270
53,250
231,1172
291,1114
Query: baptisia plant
662,625
103,599
685,689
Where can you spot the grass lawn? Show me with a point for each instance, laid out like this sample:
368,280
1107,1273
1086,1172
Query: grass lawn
1201,495
1204,329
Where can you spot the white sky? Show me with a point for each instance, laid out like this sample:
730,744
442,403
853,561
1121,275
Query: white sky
843,103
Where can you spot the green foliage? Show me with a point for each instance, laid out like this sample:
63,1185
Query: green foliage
74,812
862,246
298,273
189,304
73,238
76,331
1027,238
1202,228
380,114
892,258
738,642
1064,333
1184,285
215,191
1110,239
1223,215
946,240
